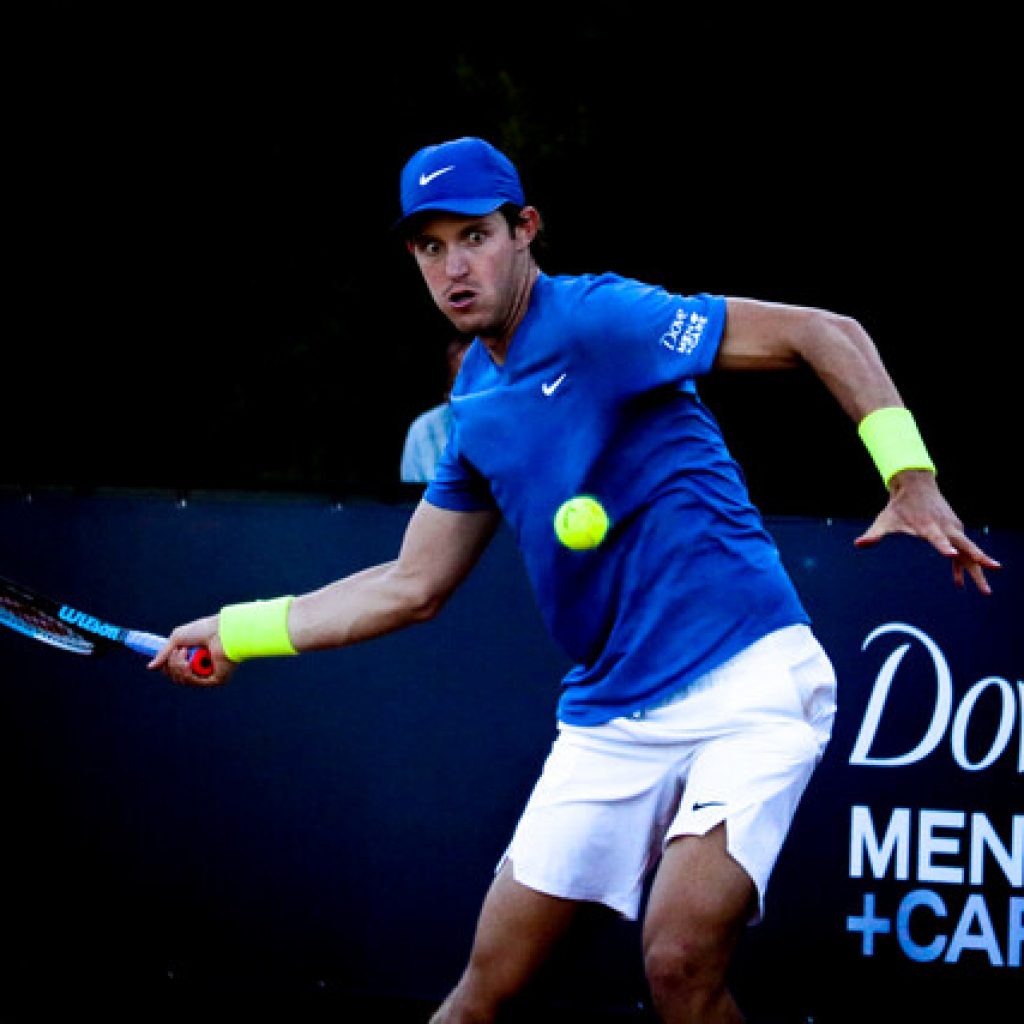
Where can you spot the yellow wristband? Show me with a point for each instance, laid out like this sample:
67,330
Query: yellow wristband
257,629
894,442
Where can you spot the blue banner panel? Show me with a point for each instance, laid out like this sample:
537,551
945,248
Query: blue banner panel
328,825
901,885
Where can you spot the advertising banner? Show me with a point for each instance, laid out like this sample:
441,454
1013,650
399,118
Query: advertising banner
911,837
321,820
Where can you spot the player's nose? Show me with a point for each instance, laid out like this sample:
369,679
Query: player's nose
456,263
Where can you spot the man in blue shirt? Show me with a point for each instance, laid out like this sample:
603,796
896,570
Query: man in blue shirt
428,433
700,701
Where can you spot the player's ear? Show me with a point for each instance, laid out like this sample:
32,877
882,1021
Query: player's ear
529,224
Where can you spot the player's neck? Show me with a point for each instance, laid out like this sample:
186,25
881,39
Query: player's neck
498,342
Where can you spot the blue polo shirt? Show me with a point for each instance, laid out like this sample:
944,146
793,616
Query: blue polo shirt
597,397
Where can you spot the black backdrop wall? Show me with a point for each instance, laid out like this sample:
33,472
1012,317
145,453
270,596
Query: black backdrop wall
204,291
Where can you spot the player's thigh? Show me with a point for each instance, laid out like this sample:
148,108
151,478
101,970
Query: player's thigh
517,929
700,900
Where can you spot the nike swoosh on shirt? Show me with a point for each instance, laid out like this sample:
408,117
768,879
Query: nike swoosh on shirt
708,803
426,179
550,389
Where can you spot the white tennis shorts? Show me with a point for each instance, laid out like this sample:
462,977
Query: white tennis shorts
738,747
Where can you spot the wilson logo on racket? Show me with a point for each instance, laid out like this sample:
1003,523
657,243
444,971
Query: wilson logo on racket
66,628
88,623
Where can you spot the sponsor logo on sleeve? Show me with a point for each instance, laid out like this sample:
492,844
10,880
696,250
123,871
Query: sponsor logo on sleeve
685,332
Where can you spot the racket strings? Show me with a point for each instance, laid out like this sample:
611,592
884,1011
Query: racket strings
24,617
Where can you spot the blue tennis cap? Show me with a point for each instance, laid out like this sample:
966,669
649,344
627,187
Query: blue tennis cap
467,176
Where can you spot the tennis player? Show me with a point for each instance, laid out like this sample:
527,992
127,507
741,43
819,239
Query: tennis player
700,701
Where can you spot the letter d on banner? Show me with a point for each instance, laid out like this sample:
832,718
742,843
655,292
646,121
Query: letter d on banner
880,693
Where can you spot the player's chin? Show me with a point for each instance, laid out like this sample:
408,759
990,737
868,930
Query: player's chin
466,312
466,321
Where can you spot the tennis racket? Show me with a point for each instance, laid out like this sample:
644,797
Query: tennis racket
70,629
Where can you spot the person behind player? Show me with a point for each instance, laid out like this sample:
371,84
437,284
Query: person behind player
700,701
427,436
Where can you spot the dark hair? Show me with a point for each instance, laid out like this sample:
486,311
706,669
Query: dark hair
513,214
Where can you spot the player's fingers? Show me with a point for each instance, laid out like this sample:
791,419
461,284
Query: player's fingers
886,524
868,538
972,569
977,574
160,658
180,669
877,531
972,552
175,642
939,539
972,560
958,573
967,557
176,658
170,661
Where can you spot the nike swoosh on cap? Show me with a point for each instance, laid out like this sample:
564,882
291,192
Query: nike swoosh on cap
426,179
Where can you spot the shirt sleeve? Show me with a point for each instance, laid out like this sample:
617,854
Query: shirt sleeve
457,486
649,336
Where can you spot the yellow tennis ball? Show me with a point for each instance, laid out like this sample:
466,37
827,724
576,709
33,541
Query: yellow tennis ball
581,523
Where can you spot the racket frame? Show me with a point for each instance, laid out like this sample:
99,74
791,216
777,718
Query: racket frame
94,633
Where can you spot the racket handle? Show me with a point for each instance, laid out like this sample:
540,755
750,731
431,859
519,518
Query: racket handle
200,661
149,644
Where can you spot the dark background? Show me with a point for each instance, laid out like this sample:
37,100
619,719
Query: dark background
203,291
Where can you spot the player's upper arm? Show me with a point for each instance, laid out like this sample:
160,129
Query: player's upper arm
762,335
440,548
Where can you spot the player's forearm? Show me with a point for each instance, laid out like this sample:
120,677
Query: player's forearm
360,607
844,357
772,336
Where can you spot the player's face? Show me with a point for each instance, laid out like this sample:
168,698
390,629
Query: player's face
476,269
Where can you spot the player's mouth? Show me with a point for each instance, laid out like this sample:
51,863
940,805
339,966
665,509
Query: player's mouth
460,299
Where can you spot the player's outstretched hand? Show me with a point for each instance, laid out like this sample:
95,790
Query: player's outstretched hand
173,658
917,506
